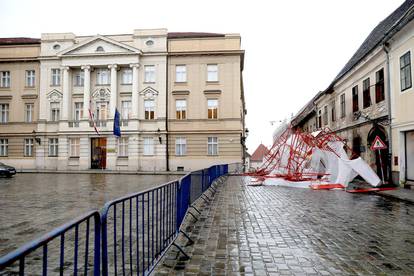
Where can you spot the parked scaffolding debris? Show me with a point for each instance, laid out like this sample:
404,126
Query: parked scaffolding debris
320,160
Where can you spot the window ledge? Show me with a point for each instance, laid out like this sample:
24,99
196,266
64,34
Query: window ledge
180,82
122,157
212,82
54,85
29,87
5,88
73,157
126,83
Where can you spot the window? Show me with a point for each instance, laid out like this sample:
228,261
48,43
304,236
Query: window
149,71
123,146
73,147
4,147
355,105
53,146
212,146
127,76
55,77
180,73
4,113
405,71
180,146
54,112
342,98
212,72
149,108
125,110
28,147
101,111
148,146
366,100
181,109
100,49
30,78
5,79
102,76
319,119
325,115
78,111
379,86
333,111
79,78
28,112
212,108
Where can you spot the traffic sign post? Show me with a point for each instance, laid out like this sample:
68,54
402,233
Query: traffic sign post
378,145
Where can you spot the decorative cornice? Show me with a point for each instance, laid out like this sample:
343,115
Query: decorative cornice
6,97
180,92
215,91
29,96
132,65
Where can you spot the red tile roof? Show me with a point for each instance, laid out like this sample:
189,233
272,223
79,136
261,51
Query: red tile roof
193,35
18,40
259,153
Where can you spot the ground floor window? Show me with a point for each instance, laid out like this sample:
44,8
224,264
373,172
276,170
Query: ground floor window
4,147
53,146
212,145
148,146
74,147
180,146
28,147
123,146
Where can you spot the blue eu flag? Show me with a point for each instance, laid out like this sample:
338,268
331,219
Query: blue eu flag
117,123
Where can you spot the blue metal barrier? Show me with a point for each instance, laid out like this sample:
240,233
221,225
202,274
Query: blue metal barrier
133,231
69,232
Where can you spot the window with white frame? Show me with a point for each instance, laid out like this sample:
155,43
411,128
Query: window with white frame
180,146
55,77
101,111
149,109
127,76
28,112
405,71
30,78
180,73
181,109
78,111
123,146
149,71
212,146
102,76
53,146
4,113
54,112
342,103
126,110
4,147
74,147
4,79
79,78
212,72
212,108
28,147
148,146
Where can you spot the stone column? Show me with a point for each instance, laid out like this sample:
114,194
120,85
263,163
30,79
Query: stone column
65,92
113,100
86,90
134,99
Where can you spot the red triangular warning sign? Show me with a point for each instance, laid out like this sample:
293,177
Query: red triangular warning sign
378,144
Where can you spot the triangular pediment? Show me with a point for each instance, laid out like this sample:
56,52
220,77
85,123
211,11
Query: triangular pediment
54,96
149,92
99,45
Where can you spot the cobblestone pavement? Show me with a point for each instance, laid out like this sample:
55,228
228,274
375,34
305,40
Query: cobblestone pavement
32,204
271,230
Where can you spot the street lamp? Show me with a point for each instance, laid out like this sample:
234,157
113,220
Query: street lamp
38,141
159,135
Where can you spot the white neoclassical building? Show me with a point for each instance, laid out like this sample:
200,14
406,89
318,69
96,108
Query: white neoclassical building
91,76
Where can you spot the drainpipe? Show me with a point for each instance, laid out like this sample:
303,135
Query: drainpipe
167,156
386,48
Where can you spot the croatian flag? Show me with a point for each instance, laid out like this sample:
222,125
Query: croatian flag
117,123
92,118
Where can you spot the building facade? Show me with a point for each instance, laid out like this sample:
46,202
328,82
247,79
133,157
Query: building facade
19,105
81,80
366,99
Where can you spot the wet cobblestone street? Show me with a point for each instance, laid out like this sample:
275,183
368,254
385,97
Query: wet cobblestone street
33,204
271,230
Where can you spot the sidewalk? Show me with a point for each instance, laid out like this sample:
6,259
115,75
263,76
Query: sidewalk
399,193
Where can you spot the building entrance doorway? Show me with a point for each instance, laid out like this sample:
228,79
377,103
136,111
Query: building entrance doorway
379,131
409,155
98,153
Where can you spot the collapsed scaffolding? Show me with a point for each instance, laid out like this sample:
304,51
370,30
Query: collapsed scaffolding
321,158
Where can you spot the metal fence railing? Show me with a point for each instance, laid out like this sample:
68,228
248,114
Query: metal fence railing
132,232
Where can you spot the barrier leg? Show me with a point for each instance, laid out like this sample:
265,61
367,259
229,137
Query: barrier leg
190,240
186,257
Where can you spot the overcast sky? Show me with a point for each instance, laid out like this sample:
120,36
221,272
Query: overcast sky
293,48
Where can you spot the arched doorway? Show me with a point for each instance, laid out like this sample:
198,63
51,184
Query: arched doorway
379,131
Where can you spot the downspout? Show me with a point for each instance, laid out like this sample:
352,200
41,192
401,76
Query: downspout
386,49
167,155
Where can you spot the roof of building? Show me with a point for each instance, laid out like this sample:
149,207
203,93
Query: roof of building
259,153
18,40
193,35
395,21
